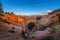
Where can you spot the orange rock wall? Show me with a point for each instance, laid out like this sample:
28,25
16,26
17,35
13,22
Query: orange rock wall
19,20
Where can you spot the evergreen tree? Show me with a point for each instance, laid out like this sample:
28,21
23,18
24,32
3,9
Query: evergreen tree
52,24
54,30
1,9
12,13
23,33
59,19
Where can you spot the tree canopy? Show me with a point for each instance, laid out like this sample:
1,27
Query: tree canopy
57,10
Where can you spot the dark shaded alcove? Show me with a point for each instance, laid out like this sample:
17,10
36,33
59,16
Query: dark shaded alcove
12,31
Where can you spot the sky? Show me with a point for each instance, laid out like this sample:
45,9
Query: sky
30,7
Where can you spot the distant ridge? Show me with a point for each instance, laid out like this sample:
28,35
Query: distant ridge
57,10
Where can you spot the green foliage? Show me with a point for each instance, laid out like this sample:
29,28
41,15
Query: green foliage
7,12
23,33
53,30
52,24
1,15
5,21
12,13
1,9
40,27
57,10
59,19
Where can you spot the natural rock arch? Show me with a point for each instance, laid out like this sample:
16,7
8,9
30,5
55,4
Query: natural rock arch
31,25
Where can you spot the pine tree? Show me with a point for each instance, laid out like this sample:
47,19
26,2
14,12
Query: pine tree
23,33
1,9
59,19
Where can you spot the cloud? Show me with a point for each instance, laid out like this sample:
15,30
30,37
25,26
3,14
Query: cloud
21,13
34,13
49,10
29,14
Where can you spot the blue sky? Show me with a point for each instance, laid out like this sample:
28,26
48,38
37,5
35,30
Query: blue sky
30,7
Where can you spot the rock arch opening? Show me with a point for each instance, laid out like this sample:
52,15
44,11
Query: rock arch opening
31,25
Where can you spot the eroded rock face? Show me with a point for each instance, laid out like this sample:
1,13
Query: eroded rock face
47,19
15,19
23,21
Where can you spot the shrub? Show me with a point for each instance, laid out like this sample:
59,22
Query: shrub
52,24
6,21
1,14
23,33
59,19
